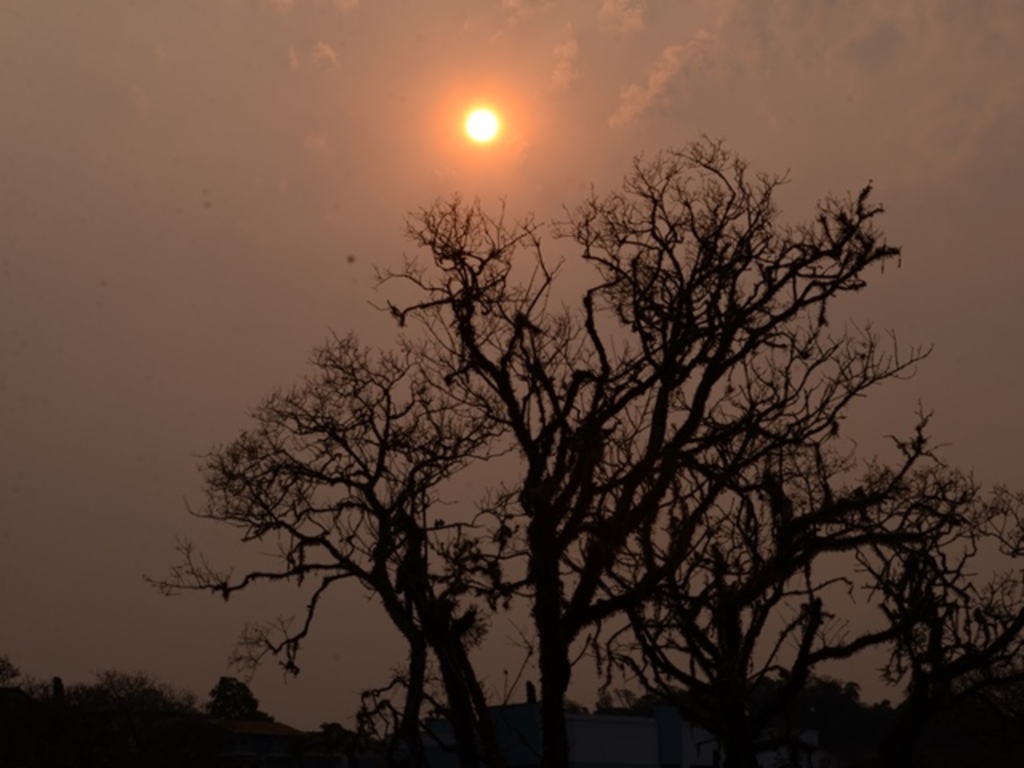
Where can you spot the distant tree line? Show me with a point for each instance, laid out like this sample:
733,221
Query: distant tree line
129,719
661,384
132,719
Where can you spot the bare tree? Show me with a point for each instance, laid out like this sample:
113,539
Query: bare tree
342,474
955,595
759,602
700,348
697,349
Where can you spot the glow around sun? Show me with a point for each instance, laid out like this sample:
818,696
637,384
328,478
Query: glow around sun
482,125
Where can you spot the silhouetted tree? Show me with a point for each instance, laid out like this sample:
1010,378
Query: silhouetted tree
987,726
334,739
955,595
126,719
9,673
697,349
118,719
700,349
762,594
342,473
231,699
848,728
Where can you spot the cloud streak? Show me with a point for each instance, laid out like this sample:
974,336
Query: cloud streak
636,99
284,6
321,57
519,10
622,16
565,54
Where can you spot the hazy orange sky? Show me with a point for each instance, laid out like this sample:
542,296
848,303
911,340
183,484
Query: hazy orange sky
194,192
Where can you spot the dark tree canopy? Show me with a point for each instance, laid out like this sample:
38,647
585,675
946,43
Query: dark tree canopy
666,405
700,354
9,672
231,699
117,719
954,596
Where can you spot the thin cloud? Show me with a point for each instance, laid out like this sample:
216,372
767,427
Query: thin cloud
519,10
565,53
281,6
314,142
322,56
941,71
636,99
623,16
284,6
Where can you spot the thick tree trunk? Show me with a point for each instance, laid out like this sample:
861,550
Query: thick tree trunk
739,756
555,672
552,640
485,725
460,711
470,718
737,741
736,736
409,732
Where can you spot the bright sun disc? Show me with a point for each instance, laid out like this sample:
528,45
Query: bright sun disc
482,125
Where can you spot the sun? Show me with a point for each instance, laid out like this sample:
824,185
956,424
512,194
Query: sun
482,125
